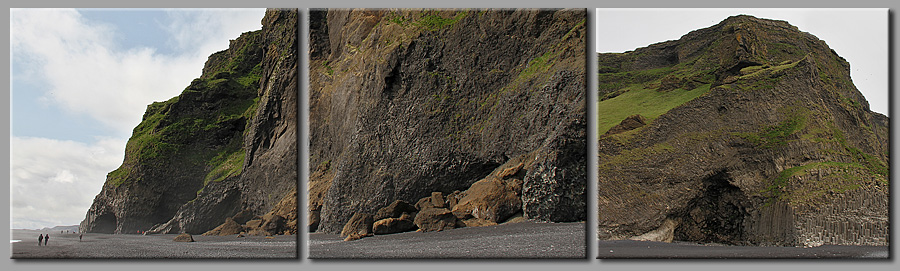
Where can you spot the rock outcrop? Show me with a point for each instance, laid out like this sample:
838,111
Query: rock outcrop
436,219
755,135
226,145
405,103
391,225
230,227
360,225
184,237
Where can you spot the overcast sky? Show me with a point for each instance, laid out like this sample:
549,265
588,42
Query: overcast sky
81,80
857,35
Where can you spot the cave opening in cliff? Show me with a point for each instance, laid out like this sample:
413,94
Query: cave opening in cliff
716,215
105,223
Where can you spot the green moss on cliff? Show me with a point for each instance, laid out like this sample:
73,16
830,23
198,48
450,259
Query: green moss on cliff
777,135
434,22
201,127
817,180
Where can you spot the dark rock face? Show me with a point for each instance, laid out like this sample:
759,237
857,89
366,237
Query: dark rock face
226,145
404,103
780,148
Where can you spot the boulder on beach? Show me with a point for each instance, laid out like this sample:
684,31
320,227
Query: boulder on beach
395,210
436,219
359,224
491,199
230,227
436,200
184,237
391,225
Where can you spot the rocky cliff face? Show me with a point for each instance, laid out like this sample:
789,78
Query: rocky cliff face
404,103
225,146
754,134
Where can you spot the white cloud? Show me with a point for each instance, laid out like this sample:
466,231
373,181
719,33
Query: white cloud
193,29
53,182
86,74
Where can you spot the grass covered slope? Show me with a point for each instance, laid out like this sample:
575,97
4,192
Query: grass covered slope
755,135
208,136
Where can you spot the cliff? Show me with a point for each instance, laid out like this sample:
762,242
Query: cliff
406,103
747,132
226,146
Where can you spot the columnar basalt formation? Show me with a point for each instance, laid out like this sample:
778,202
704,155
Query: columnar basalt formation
754,134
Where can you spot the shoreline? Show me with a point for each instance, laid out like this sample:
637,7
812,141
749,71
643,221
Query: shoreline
518,240
156,246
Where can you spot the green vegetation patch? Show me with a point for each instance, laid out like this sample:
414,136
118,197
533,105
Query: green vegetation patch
227,163
177,132
841,178
631,155
119,176
646,102
870,162
433,22
777,135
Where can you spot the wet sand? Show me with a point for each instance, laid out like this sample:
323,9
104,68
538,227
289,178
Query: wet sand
626,249
519,240
133,246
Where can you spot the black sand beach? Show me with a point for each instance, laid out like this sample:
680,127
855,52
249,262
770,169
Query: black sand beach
626,249
519,240
133,246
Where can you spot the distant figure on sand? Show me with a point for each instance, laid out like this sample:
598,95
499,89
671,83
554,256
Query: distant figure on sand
46,238
79,236
40,239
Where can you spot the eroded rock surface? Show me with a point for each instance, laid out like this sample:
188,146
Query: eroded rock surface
772,144
404,103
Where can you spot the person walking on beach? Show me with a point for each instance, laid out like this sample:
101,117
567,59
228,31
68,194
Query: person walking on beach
79,236
46,238
40,239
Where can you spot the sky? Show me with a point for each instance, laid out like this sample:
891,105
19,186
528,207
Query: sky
858,35
81,80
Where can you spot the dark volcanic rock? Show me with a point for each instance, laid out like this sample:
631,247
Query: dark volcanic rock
404,103
226,145
781,150
555,184
313,219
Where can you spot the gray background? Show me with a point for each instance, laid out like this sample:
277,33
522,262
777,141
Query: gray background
586,264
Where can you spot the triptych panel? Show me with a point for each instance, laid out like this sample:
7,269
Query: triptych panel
449,133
